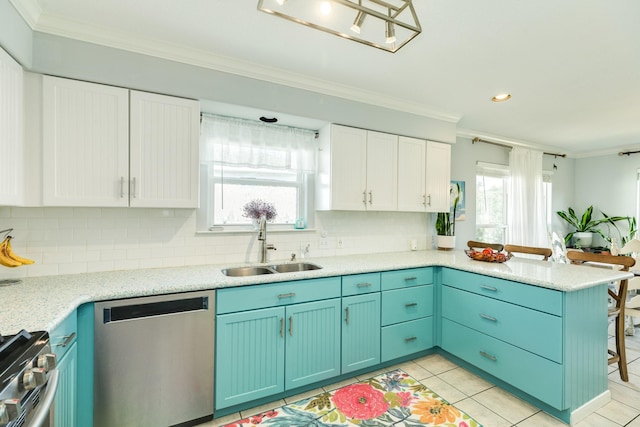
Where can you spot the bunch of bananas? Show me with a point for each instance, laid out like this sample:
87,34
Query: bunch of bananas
8,258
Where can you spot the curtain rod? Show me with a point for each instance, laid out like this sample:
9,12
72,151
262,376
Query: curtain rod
476,139
627,153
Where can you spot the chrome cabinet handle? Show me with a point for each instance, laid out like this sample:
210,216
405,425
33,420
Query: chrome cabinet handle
346,315
410,339
364,197
406,279
488,356
411,304
133,188
363,285
282,327
429,200
486,316
290,326
66,340
489,288
289,295
122,187
424,200
370,198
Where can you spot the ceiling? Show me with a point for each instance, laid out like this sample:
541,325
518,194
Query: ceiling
572,66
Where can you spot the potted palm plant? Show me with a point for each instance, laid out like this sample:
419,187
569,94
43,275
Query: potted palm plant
585,226
446,224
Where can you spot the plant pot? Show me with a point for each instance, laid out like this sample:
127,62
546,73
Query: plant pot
446,243
582,239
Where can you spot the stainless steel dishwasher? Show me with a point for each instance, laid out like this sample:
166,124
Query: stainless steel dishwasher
153,361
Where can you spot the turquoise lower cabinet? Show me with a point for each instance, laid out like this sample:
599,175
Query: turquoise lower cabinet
65,403
407,338
63,344
360,331
312,344
249,355
292,341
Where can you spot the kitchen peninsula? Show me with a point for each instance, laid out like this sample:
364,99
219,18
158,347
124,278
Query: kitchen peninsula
549,318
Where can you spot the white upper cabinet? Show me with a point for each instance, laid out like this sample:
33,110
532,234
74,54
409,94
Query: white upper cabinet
357,170
11,130
164,151
101,148
424,173
411,174
85,144
438,177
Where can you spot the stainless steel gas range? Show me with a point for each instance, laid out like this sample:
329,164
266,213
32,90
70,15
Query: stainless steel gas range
28,380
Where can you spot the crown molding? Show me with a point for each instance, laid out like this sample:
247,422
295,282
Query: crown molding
30,11
54,25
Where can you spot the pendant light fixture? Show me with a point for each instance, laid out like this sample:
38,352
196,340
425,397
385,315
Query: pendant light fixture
389,24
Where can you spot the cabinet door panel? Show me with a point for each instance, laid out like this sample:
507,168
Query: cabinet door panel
411,174
164,151
85,144
360,331
312,342
249,356
382,171
348,168
438,176
406,338
11,130
65,400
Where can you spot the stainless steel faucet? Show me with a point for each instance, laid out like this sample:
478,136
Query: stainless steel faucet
262,236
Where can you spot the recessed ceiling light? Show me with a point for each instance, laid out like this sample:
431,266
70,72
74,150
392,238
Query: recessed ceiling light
501,97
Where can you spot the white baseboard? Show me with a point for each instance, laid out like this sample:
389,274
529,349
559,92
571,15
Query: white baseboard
590,407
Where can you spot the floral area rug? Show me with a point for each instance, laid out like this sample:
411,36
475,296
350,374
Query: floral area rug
390,399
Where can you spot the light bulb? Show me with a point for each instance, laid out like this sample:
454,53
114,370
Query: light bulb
325,7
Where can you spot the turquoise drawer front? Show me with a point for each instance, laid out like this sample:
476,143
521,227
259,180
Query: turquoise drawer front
535,375
531,296
406,338
64,335
532,330
404,278
360,284
230,300
400,305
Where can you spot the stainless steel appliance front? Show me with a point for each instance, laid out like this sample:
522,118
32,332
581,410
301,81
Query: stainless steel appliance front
154,360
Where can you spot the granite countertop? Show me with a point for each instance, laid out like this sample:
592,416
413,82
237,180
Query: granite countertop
41,303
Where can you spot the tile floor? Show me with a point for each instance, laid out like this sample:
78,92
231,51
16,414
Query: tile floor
494,407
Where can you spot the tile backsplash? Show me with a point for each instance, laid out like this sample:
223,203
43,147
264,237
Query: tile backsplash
81,240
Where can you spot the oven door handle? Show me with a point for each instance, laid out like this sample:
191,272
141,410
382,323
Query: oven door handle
46,403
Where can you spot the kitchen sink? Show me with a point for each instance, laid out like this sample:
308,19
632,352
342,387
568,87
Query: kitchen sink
295,266
247,271
288,267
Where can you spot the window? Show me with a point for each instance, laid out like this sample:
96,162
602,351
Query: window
242,160
492,188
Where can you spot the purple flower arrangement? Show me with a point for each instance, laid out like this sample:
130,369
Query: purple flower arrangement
257,208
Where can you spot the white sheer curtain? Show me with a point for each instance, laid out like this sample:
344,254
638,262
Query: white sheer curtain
527,225
238,142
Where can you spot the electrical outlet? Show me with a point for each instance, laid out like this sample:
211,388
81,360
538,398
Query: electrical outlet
339,244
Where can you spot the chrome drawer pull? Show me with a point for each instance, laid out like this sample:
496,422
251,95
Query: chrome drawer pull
411,304
346,315
289,295
363,285
282,327
406,279
489,288
67,340
486,316
488,356
410,339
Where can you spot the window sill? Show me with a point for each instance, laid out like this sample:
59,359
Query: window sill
222,230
